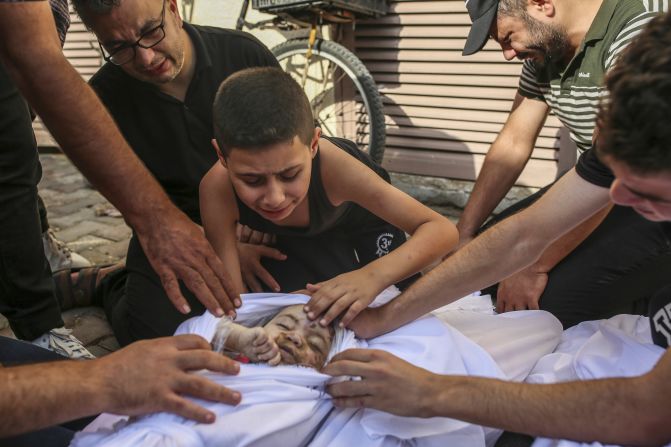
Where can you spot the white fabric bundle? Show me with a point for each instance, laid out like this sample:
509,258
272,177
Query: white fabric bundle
618,347
286,405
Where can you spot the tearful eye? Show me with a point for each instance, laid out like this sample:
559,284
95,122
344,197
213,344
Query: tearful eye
252,181
288,177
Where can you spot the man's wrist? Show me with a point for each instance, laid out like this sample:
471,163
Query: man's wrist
159,214
441,394
386,317
102,379
539,268
466,231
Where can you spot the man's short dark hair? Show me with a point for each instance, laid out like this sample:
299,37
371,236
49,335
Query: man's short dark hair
258,107
635,121
84,8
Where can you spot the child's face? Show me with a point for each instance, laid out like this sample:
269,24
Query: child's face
272,181
301,341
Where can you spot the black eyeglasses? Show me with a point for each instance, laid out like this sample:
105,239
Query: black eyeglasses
148,39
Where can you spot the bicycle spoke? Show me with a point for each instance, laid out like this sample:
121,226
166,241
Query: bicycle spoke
336,95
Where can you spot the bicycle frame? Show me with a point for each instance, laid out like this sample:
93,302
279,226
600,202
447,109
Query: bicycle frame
282,21
328,110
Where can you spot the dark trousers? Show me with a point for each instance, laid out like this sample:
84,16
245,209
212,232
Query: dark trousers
26,286
137,307
615,270
15,353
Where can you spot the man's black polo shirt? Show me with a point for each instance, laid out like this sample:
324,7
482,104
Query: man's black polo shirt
171,137
592,170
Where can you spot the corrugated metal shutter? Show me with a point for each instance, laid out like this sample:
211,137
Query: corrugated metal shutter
443,109
81,49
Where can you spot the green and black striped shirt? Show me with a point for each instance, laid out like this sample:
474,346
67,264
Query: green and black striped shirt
574,92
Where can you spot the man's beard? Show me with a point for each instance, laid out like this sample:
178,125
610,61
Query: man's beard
551,42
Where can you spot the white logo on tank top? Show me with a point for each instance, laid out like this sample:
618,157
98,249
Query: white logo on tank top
383,243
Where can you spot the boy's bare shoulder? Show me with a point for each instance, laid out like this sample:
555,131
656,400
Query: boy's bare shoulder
217,175
334,161
342,174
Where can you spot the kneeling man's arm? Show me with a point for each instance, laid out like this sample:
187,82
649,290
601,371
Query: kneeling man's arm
629,411
504,249
145,377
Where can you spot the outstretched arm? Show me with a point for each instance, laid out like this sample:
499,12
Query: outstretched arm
219,214
145,377
496,254
431,236
175,246
632,411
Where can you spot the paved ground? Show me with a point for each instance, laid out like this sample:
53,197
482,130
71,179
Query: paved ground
84,220
90,226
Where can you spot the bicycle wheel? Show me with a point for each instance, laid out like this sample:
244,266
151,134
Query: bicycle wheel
344,97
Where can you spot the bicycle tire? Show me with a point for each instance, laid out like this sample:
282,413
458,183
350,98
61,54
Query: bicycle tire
338,117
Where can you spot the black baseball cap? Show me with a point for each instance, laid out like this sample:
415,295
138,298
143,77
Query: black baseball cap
483,14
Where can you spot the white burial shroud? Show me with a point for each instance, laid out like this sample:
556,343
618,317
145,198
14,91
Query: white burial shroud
287,405
618,347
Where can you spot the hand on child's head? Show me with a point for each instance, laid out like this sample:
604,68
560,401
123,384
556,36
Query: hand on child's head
341,297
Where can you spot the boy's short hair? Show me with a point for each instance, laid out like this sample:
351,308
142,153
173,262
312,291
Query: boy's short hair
258,107
634,121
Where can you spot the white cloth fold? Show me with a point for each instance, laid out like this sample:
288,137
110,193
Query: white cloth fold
286,405
618,347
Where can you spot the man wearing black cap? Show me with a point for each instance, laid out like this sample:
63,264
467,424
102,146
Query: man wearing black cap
634,161
567,46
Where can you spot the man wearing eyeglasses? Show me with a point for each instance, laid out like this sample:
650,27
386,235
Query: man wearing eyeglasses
159,84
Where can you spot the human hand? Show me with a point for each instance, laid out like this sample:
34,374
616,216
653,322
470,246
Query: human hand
256,345
521,291
154,375
251,268
352,291
387,383
246,235
177,250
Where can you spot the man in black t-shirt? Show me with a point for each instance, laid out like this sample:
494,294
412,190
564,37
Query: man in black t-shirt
633,168
159,84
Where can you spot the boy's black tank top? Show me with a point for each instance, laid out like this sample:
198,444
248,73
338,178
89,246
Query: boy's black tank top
347,219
